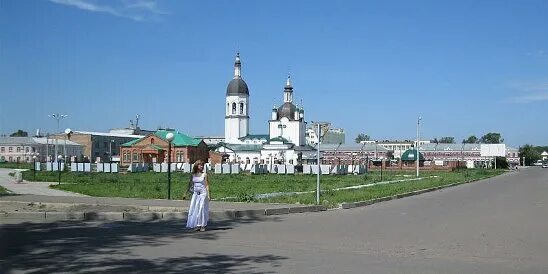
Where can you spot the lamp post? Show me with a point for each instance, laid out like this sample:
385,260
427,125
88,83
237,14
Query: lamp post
34,156
318,159
110,150
59,158
57,117
169,138
418,136
68,132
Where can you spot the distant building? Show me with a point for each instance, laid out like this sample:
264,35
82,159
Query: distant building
352,154
397,147
285,141
153,148
211,141
440,154
99,145
332,136
22,149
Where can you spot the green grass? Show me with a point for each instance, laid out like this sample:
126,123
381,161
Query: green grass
15,165
243,187
3,190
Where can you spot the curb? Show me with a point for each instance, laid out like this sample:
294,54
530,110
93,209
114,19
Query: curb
397,196
152,216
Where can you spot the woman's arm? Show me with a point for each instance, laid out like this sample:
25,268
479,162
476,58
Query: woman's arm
207,186
190,184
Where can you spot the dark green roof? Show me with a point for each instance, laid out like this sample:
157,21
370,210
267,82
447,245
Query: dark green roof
242,147
279,139
410,155
255,136
130,143
179,138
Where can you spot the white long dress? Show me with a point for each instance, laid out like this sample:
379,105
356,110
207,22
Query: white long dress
198,212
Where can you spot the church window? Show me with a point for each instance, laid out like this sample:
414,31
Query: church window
233,108
241,108
227,108
247,161
152,140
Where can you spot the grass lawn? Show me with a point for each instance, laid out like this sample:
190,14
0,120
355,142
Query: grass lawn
3,190
16,165
243,187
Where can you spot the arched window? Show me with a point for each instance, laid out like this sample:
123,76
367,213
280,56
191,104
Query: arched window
233,108
227,108
152,140
247,161
241,108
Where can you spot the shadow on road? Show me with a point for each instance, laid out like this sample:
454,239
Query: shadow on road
78,247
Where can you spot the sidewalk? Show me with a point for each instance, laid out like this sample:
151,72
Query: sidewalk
35,188
36,201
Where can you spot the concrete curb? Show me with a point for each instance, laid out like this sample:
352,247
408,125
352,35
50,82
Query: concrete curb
152,216
397,196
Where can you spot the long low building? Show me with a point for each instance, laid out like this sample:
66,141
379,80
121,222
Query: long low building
351,154
471,153
99,145
22,149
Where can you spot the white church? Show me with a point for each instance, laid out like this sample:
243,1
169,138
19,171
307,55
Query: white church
284,144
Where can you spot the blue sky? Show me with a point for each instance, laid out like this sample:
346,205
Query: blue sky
466,67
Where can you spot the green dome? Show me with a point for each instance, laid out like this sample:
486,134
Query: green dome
410,155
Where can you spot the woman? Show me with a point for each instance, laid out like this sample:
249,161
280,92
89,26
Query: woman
198,212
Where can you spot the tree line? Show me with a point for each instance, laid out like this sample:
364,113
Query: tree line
489,138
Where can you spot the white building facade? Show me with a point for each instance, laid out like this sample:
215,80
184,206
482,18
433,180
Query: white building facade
285,140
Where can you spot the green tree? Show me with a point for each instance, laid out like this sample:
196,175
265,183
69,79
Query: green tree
491,138
530,153
472,139
362,137
19,133
447,140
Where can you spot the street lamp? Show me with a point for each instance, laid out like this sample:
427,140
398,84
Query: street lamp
318,158
169,138
418,136
68,132
57,117
34,156
59,158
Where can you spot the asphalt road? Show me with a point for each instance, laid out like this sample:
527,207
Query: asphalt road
498,225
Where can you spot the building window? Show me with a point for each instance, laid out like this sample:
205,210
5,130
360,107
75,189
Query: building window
227,108
179,156
135,157
18,149
10,159
3,149
10,149
233,108
241,108
26,149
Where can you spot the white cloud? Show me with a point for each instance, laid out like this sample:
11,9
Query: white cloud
531,98
533,92
137,10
